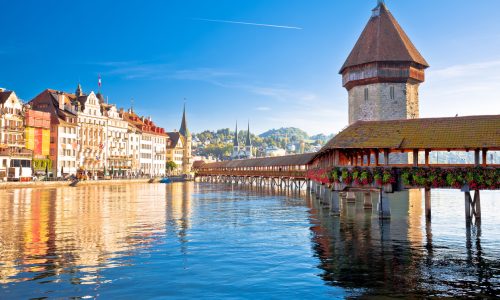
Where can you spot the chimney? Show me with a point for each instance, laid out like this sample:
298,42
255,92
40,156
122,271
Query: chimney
60,98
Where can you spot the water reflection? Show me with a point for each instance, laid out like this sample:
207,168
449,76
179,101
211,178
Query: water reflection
203,240
399,257
47,232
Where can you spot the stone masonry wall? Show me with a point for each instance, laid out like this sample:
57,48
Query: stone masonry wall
380,106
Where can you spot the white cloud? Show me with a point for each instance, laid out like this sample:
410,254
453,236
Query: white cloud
469,89
263,108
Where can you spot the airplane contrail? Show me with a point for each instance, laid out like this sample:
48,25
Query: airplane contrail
248,23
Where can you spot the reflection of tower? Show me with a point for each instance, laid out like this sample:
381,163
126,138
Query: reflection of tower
179,210
415,212
383,72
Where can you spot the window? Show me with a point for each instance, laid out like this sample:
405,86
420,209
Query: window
391,92
366,94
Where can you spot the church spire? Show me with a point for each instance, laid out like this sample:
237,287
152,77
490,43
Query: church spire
235,141
79,91
248,141
184,129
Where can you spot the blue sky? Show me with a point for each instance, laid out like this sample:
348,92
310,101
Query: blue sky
160,52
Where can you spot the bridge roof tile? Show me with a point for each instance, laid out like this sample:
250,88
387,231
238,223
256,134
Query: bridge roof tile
458,133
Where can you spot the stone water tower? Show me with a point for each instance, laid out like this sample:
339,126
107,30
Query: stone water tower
383,71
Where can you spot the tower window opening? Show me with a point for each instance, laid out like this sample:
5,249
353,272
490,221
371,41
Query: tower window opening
366,94
392,92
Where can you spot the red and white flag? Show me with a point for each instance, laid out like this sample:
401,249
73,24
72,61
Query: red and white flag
99,81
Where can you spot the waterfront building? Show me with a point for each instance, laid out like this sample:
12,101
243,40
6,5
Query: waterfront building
179,147
91,132
15,160
117,156
383,72
134,144
37,136
175,151
152,144
64,139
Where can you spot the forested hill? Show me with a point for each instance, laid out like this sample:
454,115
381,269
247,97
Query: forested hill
219,143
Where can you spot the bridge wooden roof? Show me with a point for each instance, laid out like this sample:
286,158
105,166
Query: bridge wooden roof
458,133
279,161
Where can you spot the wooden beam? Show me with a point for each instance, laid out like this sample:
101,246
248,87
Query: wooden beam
415,157
386,157
476,157
427,152
485,153
376,153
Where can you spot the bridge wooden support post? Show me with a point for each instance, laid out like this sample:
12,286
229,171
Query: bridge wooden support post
367,203
334,203
351,197
384,207
472,206
427,203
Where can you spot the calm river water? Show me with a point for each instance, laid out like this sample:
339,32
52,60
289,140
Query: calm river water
188,240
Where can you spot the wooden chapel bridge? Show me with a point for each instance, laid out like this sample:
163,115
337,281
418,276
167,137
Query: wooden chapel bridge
372,157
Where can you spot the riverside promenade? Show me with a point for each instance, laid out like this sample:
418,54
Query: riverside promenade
50,184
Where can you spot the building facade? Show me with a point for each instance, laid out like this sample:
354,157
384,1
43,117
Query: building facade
383,72
37,136
15,160
150,142
64,139
117,155
179,148
92,134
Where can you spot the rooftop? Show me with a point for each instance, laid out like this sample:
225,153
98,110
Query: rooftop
455,133
383,40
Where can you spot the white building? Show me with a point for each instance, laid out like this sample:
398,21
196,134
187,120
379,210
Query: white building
92,126
275,151
117,155
13,156
152,144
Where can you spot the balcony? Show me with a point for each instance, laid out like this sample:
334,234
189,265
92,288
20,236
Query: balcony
25,153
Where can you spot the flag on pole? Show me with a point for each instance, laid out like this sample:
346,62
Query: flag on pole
99,83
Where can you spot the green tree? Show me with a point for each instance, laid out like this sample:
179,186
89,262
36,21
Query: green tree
170,166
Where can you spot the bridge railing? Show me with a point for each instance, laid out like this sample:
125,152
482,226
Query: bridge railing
253,173
406,176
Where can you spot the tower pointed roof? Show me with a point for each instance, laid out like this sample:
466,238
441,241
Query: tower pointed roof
184,129
235,141
383,40
248,141
79,91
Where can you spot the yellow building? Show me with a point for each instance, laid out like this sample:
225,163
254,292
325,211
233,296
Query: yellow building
37,138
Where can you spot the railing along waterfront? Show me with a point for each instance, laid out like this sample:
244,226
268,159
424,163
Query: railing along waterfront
253,173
